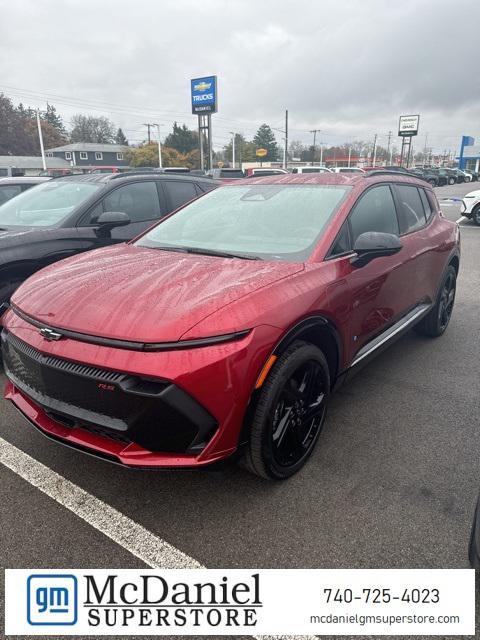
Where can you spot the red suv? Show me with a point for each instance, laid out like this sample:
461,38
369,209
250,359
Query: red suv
225,327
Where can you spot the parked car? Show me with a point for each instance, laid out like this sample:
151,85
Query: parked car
226,173
347,170
474,547
433,178
58,173
259,172
225,327
449,174
311,170
64,216
11,187
471,206
467,176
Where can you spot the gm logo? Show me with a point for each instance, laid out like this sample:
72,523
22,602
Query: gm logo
52,599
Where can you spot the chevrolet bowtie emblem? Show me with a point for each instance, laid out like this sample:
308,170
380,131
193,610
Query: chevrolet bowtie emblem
50,334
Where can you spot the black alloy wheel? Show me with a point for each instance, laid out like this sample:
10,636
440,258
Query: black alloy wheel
438,318
290,413
447,298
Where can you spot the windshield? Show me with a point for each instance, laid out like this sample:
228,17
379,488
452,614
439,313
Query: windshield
272,222
46,204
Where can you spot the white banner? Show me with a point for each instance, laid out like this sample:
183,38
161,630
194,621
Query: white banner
250,602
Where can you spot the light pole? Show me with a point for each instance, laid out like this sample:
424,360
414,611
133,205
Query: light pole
314,131
155,124
233,148
40,138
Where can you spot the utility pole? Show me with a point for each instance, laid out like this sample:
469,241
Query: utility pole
388,145
159,143
40,137
285,157
148,125
349,154
374,151
233,148
425,148
314,131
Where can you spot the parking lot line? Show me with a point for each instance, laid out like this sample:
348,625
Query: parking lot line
461,219
152,550
130,535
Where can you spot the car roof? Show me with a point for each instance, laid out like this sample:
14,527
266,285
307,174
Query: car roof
23,179
347,179
130,176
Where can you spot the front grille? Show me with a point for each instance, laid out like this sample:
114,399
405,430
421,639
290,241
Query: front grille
154,414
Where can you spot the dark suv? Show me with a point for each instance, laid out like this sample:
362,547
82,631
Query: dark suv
64,216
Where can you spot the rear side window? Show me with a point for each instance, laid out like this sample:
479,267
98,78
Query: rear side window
375,211
179,192
138,200
412,214
427,207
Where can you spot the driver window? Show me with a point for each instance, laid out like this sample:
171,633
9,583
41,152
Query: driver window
375,211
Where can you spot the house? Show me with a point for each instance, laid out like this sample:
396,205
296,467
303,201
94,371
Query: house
89,155
29,165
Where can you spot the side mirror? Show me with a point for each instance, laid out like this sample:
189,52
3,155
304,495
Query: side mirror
109,220
373,244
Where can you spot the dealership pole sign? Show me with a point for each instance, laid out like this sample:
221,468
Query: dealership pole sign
408,126
204,95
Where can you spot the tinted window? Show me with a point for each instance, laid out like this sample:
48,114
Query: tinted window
426,204
179,192
138,200
9,191
412,215
375,211
232,174
342,243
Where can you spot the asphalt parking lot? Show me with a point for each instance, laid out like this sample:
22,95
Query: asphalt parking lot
392,483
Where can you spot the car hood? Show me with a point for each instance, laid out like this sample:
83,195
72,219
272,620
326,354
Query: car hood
141,294
472,194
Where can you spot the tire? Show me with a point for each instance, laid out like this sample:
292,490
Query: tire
451,181
282,435
436,321
432,182
476,216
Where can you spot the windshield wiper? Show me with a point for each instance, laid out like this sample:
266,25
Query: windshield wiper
220,254
206,252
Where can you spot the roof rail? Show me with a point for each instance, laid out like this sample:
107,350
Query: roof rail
122,174
387,172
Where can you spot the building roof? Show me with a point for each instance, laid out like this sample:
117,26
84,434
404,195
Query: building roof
91,146
32,162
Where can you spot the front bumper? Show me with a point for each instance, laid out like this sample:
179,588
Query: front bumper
167,409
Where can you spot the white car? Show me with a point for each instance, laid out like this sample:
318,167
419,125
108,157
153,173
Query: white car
471,206
347,170
311,170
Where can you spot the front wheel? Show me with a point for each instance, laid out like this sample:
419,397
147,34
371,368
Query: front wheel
436,321
476,216
451,181
290,413
432,182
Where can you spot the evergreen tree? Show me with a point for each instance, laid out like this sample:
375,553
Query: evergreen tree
120,137
265,139
182,139
52,117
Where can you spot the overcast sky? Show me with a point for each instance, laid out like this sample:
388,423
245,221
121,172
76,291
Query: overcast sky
347,67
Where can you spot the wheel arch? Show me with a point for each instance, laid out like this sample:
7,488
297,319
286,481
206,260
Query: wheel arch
321,332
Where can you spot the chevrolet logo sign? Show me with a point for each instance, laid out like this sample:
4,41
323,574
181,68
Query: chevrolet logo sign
202,86
50,334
